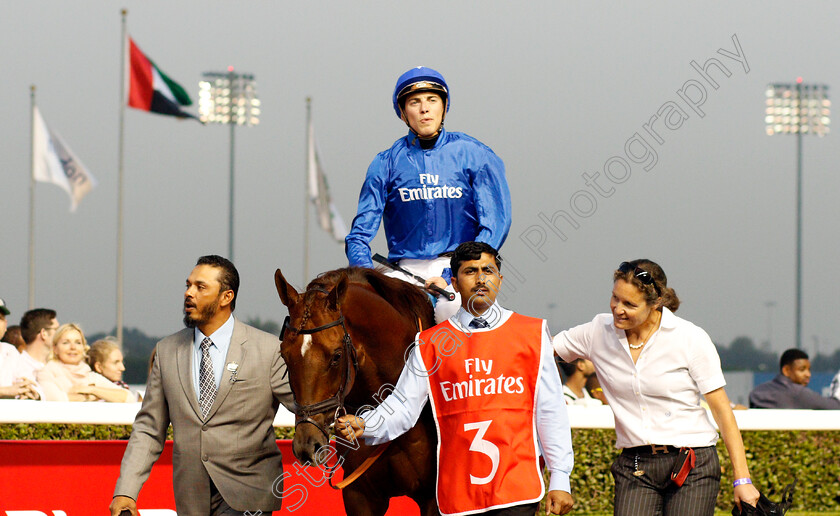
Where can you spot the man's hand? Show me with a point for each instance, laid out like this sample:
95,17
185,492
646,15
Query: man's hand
123,503
350,427
435,280
559,502
23,389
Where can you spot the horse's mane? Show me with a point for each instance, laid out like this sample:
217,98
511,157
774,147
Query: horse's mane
406,298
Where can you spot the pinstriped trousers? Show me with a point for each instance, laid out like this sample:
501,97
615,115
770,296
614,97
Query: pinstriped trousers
653,493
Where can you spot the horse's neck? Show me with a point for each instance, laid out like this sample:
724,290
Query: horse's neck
385,335
385,351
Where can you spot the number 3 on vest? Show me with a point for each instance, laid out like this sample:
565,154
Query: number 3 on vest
480,445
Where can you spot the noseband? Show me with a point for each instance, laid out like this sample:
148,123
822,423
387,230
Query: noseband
304,413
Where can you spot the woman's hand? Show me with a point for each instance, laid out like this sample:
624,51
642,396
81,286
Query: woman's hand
81,389
746,493
85,391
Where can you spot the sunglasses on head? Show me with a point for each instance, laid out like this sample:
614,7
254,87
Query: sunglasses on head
640,274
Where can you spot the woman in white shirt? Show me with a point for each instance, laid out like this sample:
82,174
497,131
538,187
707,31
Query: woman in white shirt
654,367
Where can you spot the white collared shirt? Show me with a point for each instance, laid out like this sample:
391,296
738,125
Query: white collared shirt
401,409
9,357
28,367
657,399
218,352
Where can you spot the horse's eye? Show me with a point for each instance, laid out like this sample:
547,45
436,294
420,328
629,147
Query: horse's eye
336,358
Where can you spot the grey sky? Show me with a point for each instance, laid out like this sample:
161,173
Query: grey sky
555,88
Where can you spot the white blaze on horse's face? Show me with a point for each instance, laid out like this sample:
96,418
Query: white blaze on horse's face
307,343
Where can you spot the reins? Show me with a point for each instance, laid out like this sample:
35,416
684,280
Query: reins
379,450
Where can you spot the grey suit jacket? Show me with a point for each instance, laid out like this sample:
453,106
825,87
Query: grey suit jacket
235,446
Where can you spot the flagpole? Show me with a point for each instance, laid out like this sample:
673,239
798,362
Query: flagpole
232,125
306,191
32,200
120,174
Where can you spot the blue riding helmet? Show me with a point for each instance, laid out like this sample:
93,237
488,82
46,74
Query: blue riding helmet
420,79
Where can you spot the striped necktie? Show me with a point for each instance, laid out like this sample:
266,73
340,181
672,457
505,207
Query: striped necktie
478,322
206,379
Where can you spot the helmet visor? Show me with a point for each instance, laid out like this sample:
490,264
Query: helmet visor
421,86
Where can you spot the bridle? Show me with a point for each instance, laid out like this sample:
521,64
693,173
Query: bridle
304,413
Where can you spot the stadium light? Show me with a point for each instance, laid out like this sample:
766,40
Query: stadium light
229,98
797,109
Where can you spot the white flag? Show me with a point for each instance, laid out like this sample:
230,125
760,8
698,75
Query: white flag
328,217
54,162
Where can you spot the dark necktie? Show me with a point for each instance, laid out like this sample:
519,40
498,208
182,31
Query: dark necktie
478,322
206,379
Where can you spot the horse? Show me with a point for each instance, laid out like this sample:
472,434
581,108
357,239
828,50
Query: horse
345,342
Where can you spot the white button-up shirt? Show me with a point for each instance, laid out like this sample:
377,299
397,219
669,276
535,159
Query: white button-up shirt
657,399
401,409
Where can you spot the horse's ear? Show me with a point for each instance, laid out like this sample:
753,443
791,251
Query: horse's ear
288,295
336,295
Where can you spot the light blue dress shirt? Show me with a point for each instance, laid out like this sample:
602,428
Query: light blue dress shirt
218,352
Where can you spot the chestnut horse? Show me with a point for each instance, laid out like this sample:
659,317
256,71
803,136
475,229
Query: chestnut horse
346,337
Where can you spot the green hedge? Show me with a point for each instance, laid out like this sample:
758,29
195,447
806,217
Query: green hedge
72,432
774,457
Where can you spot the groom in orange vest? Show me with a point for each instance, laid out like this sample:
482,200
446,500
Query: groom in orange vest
496,396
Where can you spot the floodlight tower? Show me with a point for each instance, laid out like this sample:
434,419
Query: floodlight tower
799,109
229,98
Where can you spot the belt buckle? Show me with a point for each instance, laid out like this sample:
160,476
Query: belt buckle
654,449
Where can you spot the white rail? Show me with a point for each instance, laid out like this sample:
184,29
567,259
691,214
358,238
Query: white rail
27,411
20,411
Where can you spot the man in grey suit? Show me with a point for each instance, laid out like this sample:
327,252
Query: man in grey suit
219,382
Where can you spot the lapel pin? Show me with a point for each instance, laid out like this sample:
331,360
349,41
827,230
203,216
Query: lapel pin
233,367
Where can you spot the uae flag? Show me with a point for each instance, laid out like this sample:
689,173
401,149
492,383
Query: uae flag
152,90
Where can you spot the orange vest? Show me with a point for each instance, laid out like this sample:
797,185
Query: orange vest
483,389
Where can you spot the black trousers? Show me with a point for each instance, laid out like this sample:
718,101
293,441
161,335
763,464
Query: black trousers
653,494
517,510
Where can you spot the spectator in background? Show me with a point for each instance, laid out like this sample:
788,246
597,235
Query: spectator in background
593,385
577,372
7,351
834,389
105,358
38,328
10,387
67,377
15,338
3,313
789,389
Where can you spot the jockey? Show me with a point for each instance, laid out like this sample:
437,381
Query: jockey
434,189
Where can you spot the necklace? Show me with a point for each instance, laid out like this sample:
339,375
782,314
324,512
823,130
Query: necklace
643,342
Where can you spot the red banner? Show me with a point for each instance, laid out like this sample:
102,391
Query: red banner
76,478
